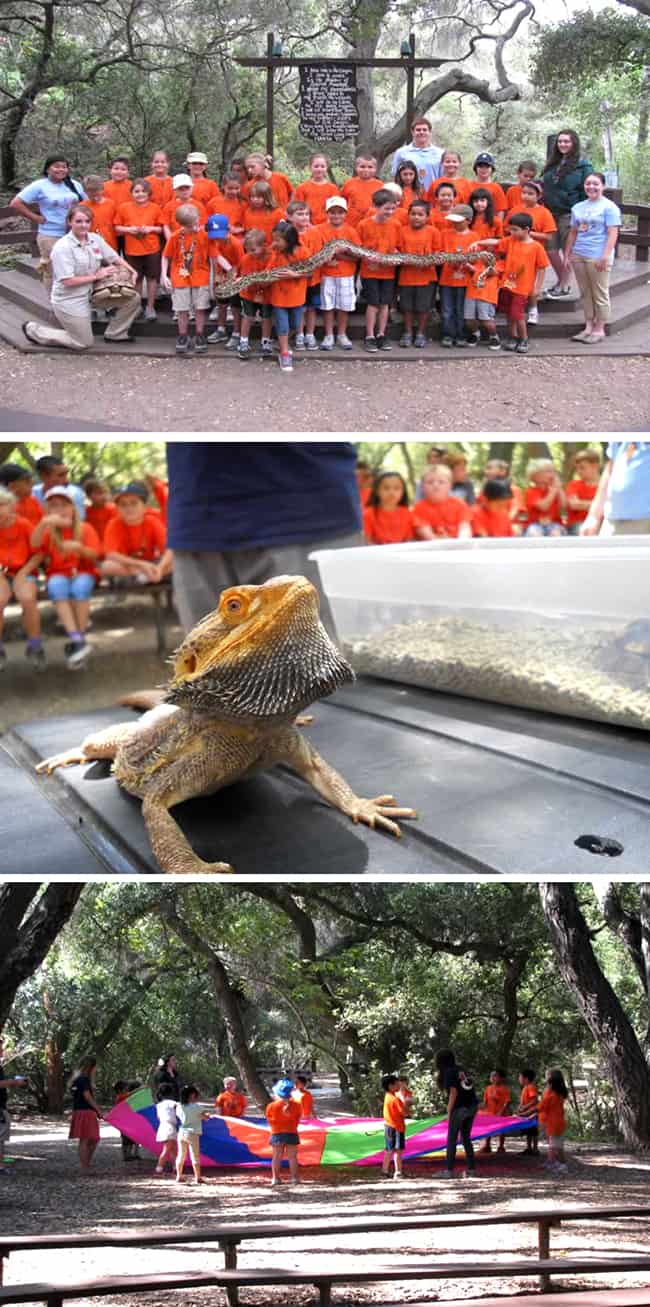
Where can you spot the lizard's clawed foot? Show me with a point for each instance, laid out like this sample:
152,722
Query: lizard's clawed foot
48,765
379,811
303,719
200,868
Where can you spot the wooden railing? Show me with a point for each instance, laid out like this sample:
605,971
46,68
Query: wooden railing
640,236
23,235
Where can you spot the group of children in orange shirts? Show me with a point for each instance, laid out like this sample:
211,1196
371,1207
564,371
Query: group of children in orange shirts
449,508
186,233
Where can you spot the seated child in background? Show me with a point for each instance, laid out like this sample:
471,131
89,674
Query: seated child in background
301,1094
140,222
581,489
101,508
317,189
19,481
497,1101
386,517
545,500
551,1116
450,166
365,481
230,1102
337,279
461,485
101,208
182,184
167,1132
226,254
438,513
121,1091
359,190
229,201
526,172
455,277
483,169
416,285
255,299
72,551
394,1126
528,1103
134,540
380,233
162,190
311,239
118,186
186,272
18,563
491,517
497,470
287,295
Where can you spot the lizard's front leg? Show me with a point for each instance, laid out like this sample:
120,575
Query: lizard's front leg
102,745
169,844
297,753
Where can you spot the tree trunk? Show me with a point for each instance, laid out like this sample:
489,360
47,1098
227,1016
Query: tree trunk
25,940
513,970
55,1076
644,109
601,1010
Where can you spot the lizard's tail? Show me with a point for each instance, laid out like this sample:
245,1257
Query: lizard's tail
143,699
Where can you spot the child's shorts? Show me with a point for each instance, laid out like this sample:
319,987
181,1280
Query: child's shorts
146,265
314,297
10,578
251,308
230,302
480,310
394,1140
185,298
378,291
338,293
416,299
513,305
285,1137
286,320
79,587
192,1142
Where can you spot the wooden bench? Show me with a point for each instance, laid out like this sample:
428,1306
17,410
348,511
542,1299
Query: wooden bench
229,1236
54,1295
159,592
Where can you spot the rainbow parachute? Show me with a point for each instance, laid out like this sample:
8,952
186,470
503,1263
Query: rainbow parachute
334,1141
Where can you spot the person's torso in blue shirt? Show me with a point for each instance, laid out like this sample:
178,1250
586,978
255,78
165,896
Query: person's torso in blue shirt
53,199
628,495
592,220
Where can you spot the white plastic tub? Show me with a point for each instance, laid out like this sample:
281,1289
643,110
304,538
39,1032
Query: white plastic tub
558,625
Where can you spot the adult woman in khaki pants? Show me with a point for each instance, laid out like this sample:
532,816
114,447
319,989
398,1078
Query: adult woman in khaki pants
595,227
78,265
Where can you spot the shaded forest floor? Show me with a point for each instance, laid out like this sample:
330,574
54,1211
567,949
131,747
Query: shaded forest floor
43,1192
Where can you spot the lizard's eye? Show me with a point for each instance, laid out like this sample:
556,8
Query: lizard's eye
233,607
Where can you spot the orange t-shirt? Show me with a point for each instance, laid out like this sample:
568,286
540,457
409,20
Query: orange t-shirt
543,220
463,187
488,522
315,194
254,263
233,209
455,242
169,212
528,1095
534,513
484,231
394,1114
306,1101
383,526
144,540
283,1115
162,189
262,219
231,1103
522,262
204,190
136,215
382,237
408,196
230,249
100,516
188,247
496,191
496,1097
342,266
417,241
161,495
31,508
279,183
488,292
60,564
444,518
513,197
358,194
288,292
15,547
118,192
551,1113
103,212
582,490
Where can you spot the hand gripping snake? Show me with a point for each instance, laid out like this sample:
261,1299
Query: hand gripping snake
233,285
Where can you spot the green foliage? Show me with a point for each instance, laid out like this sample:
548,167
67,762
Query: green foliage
589,46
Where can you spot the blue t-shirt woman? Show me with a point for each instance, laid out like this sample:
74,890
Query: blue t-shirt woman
54,193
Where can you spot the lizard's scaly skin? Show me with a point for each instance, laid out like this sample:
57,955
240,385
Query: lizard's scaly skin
240,678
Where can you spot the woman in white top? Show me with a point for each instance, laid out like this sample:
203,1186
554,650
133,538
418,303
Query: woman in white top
595,226
79,262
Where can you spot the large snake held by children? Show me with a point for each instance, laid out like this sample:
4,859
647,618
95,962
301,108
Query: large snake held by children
233,285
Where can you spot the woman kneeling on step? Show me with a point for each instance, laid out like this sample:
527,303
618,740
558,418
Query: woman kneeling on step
82,261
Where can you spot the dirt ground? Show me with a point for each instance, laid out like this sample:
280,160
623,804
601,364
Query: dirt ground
43,1191
150,394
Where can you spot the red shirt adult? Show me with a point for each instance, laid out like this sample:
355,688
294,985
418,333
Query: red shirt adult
146,539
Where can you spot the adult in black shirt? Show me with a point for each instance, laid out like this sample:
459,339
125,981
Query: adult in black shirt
462,1106
167,1074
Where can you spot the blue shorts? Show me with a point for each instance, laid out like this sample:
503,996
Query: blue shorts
286,320
313,297
80,586
284,1137
394,1140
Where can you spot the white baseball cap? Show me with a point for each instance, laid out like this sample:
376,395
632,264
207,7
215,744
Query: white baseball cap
336,202
181,179
63,491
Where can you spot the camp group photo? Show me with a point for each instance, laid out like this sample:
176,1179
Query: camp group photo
460,192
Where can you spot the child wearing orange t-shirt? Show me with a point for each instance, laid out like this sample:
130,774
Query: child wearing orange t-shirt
386,517
303,1095
19,480
317,189
134,541
380,233
18,562
230,1102
101,208
439,513
140,222
394,1126
457,238
262,211
359,190
72,551
551,1116
581,490
186,272
182,185
496,1101
255,299
491,516
337,279
229,201
204,188
283,1115
101,509
258,169
226,253
287,295
522,276
483,169
528,1103
118,186
545,500
526,172
416,284
311,239
162,190
543,229
450,166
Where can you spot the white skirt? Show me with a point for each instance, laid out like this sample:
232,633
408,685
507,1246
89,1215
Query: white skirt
165,1132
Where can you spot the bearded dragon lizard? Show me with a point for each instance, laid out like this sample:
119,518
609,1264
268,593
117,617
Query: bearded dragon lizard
239,679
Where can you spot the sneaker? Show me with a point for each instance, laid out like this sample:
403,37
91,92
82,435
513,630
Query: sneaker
267,349
473,339
383,342
522,347
76,653
286,362
420,341
494,342
510,344
182,344
398,1176
233,343
343,341
35,655
150,315
461,343
371,344
556,292
406,340
174,317
533,315
299,342
447,342
310,341
275,1183
446,1175
244,350
218,337
327,342
200,344
3,659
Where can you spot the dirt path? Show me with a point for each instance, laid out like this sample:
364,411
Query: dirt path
44,1192
500,394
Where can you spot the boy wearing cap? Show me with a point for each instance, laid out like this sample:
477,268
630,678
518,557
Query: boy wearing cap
134,541
203,188
337,293
186,272
226,254
183,194
483,169
457,238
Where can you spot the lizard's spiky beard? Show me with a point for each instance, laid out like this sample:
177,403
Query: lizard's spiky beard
266,666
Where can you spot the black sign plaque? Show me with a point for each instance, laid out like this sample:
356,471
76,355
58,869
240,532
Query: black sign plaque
328,102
